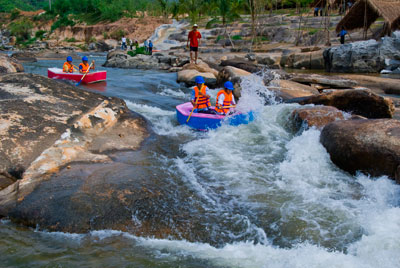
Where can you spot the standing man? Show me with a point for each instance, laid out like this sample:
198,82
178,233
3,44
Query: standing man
150,47
194,39
342,34
123,46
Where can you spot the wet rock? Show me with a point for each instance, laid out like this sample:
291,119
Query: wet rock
188,77
362,57
330,81
9,65
232,74
388,85
46,124
317,116
101,46
242,64
286,90
157,61
370,146
24,56
360,102
272,60
308,60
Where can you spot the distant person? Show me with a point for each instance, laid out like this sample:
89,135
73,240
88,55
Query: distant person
136,44
130,44
225,99
316,9
200,97
84,66
123,45
194,39
150,47
68,67
321,10
342,34
146,46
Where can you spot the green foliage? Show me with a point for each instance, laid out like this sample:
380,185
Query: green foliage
92,39
118,34
21,29
212,22
313,31
15,13
70,40
62,21
105,35
27,5
138,50
236,37
40,34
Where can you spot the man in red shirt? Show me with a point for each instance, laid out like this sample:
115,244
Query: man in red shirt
194,38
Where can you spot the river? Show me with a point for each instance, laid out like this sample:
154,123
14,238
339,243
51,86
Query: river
266,197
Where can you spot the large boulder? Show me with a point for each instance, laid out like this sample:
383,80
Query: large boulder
272,60
316,116
306,60
362,57
232,74
45,125
242,64
101,46
360,102
329,81
157,61
388,85
188,77
370,146
10,65
286,89
24,56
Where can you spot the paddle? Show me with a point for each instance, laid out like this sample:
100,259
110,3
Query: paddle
194,106
225,107
84,75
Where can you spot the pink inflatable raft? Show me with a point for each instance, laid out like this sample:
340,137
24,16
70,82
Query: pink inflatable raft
202,121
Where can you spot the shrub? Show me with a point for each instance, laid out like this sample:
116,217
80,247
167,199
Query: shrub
70,40
236,37
92,39
21,29
40,34
62,22
118,34
313,31
138,50
105,35
15,14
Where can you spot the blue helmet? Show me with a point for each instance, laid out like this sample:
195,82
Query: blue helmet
229,85
69,58
84,58
199,80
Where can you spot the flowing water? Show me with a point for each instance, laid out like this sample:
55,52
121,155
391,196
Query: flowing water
267,197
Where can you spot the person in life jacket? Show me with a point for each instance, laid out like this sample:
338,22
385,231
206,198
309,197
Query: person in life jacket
200,97
225,99
68,67
84,66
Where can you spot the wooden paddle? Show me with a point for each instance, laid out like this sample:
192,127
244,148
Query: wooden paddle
84,74
194,106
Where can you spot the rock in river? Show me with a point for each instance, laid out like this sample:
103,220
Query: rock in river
360,102
371,146
317,116
45,125
10,65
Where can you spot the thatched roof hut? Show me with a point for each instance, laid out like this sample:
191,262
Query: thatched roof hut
365,12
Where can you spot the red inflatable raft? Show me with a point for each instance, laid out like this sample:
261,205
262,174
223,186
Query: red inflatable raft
91,77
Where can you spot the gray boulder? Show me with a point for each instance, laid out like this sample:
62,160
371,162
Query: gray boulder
370,146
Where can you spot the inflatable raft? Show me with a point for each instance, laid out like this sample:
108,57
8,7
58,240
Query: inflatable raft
91,77
202,121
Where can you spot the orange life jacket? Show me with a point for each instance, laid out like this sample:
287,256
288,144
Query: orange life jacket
202,102
228,101
85,67
68,68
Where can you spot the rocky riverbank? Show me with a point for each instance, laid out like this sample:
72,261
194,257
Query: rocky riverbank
47,127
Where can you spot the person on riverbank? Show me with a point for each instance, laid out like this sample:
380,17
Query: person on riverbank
225,99
194,41
342,34
150,47
68,67
200,97
146,48
84,66
123,45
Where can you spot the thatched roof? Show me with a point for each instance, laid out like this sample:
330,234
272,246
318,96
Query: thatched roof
367,11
